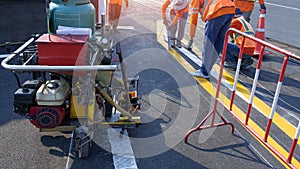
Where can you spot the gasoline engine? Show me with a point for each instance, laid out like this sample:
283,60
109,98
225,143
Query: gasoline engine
44,104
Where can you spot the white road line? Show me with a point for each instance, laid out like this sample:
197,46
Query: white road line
215,74
197,60
287,7
193,57
4,56
126,27
252,147
70,151
121,149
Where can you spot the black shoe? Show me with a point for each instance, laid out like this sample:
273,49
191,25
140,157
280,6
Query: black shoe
189,45
247,63
230,64
172,43
178,44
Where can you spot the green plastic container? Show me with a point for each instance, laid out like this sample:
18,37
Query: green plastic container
72,13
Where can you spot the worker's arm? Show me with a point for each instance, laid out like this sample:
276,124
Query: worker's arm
164,9
126,3
262,4
179,14
177,17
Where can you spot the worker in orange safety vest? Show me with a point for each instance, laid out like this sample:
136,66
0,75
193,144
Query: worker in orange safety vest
217,15
233,48
178,15
247,7
115,7
194,10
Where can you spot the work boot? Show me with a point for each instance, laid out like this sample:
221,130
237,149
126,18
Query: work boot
247,63
230,64
178,44
172,42
202,72
189,45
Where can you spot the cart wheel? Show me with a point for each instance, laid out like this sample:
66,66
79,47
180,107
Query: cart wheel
83,147
83,150
82,142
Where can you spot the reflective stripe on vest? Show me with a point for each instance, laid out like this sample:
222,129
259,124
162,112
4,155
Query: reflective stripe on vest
194,9
246,26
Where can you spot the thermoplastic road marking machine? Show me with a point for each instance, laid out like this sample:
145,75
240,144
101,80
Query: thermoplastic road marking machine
74,84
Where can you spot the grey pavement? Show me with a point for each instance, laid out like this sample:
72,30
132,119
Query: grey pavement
172,102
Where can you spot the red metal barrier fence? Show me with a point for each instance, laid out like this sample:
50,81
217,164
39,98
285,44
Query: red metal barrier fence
287,160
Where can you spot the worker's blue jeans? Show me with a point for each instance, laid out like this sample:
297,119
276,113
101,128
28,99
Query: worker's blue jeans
233,51
215,30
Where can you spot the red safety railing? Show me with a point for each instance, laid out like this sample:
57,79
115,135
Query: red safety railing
214,112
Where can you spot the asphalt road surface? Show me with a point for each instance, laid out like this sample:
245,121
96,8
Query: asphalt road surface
282,20
172,103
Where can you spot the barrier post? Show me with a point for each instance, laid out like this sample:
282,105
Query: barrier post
274,104
294,144
214,112
237,72
253,90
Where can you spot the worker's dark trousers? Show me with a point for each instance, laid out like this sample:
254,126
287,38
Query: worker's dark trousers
215,30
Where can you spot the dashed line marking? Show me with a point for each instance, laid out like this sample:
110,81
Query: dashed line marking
121,149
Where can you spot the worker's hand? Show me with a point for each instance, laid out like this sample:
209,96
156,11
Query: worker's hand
166,22
262,6
126,4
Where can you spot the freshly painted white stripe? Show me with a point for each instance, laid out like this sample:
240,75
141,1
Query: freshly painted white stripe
274,105
121,149
194,58
126,27
254,85
287,7
70,151
4,56
253,148
298,131
287,111
260,29
215,74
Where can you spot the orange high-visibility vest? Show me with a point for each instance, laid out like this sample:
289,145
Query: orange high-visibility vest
246,5
244,26
117,2
214,8
178,14
194,10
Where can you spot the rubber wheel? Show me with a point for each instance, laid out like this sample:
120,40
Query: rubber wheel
83,151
